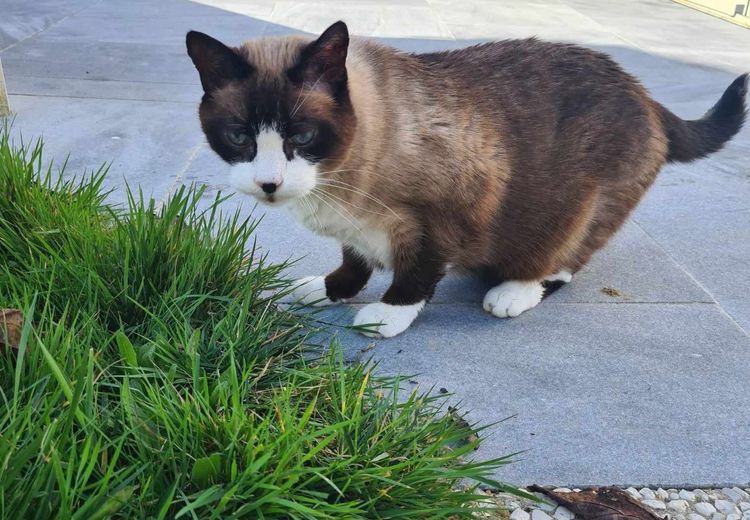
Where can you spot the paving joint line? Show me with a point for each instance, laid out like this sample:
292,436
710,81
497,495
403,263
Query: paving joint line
19,94
694,279
178,180
56,22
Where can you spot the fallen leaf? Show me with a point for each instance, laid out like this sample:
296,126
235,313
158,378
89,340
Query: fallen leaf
463,423
603,503
611,291
11,323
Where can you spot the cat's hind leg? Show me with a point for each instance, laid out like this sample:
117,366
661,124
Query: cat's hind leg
513,297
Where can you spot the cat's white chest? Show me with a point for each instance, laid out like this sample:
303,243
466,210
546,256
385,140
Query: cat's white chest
331,221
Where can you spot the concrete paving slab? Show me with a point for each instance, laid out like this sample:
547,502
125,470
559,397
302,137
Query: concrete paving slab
143,142
93,60
692,36
138,28
597,393
105,89
702,219
650,388
22,19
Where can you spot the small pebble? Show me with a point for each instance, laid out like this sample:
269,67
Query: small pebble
512,506
519,514
695,516
673,496
704,508
734,494
647,494
681,506
661,494
726,507
744,506
546,507
563,513
687,495
577,490
702,495
733,516
538,514
717,516
655,504
562,490
634,493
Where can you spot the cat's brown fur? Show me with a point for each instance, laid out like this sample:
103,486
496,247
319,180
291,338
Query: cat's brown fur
518,158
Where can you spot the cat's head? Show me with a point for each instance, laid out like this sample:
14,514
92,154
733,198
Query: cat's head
276,109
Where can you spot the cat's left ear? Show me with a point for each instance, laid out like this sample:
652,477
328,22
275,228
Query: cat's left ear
217,64
322,64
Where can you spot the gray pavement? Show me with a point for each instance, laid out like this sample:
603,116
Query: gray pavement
651,387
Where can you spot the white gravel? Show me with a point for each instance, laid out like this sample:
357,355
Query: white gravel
538,514
704,508
676,504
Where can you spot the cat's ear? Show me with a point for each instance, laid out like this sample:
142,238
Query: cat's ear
217,64
322,63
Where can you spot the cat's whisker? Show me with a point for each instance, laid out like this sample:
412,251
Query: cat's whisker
309,91
307,203
351,188
350,203
338,209
368,172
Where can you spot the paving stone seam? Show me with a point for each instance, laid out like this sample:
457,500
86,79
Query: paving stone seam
693,278
43,29
113,80
99,98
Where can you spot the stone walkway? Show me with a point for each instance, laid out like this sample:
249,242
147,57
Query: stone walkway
638,373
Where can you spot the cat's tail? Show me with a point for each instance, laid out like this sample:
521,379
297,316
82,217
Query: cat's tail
691,140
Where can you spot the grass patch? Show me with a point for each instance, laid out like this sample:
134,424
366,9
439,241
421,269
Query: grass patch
156,378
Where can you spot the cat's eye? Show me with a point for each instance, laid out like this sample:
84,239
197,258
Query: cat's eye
303,136
237,137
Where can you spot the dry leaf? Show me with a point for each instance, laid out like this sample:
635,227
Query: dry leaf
603,503
463,423
11,323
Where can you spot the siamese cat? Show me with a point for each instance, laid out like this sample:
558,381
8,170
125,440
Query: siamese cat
517,159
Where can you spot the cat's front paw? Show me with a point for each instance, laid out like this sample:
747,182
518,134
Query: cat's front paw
511,298
311,290
386,320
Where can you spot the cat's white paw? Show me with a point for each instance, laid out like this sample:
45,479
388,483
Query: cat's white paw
563,275
393,319
311,290
511,298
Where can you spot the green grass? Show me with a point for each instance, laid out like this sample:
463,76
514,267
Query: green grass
156,377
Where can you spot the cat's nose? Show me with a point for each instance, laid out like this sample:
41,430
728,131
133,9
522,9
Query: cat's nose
269,187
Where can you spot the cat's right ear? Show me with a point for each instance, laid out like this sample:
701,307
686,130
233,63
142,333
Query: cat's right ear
217,64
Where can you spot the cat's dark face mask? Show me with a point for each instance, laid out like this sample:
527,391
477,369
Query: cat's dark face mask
276,127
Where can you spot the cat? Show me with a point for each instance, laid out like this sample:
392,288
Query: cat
517,159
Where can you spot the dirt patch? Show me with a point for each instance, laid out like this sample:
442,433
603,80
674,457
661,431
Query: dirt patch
611,292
